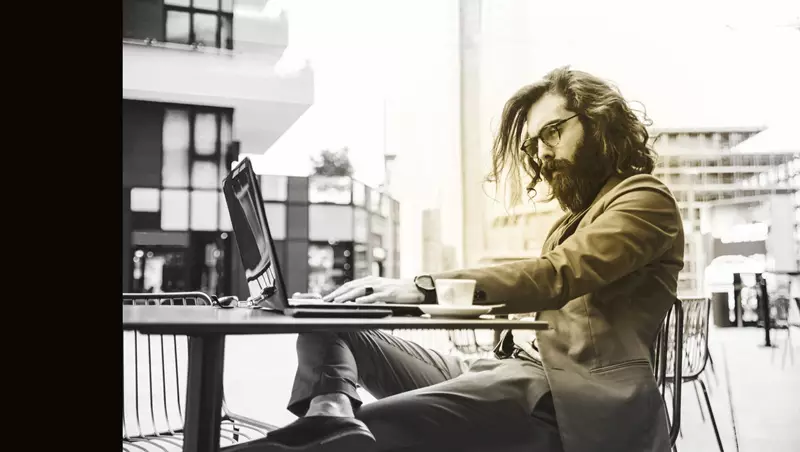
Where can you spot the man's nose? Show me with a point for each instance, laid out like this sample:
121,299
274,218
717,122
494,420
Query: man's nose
545,153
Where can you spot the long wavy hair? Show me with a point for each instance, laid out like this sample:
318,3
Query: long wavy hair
610,125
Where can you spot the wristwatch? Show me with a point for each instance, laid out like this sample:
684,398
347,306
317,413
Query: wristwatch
426,285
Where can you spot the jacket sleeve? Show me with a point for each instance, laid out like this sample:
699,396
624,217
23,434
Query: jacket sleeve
638,225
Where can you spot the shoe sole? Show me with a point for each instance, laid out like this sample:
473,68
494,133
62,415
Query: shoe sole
343,442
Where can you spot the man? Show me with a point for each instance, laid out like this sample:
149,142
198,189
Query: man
606,277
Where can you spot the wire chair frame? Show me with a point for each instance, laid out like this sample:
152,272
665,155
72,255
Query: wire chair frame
668,364
158,373
696,354
781,307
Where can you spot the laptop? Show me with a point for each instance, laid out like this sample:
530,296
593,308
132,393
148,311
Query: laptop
265,280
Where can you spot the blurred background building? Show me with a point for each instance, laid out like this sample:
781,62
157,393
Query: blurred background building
199,85
328,230
738,190
204,82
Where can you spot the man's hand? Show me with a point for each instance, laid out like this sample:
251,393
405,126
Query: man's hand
374,289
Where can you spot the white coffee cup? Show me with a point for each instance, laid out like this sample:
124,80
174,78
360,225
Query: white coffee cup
455,292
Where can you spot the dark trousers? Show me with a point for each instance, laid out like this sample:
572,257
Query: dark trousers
428,401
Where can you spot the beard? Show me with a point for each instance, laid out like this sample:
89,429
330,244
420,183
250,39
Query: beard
575,185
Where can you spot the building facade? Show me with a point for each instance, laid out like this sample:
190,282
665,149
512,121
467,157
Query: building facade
199,86
729,195
734,199
327,231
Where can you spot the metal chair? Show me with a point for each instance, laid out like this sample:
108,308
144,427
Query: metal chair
155,376
695,351
668,365
781,320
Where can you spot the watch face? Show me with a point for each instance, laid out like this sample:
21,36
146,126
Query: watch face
424,282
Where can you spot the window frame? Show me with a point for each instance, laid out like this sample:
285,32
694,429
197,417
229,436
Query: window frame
219,13
221,114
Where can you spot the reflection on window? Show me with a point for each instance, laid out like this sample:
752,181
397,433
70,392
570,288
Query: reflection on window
185,3
329,189
205,133
175,210
175,142
158,271
213,270
205,174
144,199
204,210
205,29
178,27
320,269
329,266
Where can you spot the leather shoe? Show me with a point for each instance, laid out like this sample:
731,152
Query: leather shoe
313,434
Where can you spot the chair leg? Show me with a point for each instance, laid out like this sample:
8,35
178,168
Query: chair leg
672,415
711,415
703,376
713,370
699,402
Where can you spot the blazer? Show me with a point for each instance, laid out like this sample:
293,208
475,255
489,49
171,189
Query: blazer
605,280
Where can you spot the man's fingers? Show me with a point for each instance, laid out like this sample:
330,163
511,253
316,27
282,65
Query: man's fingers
346,288
374,298
339,290
350,295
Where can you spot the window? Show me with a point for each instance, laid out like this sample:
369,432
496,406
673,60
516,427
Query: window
195,151
207,23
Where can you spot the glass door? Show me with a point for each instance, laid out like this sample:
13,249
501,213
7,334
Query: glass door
159,269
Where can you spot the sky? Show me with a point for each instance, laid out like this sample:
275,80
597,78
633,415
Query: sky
693,64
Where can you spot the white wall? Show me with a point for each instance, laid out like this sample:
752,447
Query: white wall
781,246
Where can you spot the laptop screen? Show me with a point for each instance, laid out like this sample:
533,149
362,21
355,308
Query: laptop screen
250,228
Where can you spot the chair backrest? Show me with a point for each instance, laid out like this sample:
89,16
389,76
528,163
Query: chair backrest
667,363
695,335
155,370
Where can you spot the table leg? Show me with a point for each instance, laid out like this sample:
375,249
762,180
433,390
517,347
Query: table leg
204,393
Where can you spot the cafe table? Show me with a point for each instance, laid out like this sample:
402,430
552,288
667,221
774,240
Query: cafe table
207,328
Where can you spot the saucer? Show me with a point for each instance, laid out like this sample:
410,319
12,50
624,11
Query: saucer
437,310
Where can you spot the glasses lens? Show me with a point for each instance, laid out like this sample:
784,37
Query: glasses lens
550,136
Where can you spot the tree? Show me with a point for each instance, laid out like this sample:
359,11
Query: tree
332,163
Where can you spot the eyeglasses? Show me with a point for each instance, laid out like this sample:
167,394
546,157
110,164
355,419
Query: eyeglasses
550,136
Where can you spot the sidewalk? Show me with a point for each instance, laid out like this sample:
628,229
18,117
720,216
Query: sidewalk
765,397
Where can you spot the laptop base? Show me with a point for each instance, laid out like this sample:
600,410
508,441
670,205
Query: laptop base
337,313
